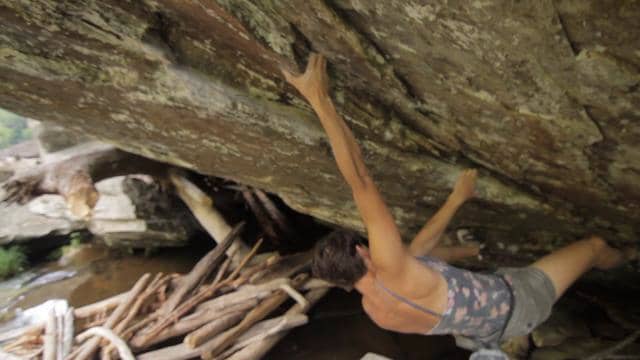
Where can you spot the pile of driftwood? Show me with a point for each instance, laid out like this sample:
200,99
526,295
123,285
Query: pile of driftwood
234,304
217,310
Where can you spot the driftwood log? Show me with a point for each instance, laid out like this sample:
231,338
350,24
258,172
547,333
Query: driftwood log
264,329
243,293
255,315
258,349
275,213
203,334
260,213
203,210
175,352
271,219
66,340
195,321
123,349
50,336
73,173
203,268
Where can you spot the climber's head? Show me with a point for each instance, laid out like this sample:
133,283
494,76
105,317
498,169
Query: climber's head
340,258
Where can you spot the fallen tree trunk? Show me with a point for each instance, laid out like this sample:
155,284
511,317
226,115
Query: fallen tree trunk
73,173
202,208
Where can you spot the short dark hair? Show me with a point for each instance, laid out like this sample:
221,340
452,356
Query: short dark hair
336,260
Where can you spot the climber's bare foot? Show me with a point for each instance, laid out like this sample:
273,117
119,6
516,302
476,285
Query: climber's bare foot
608,257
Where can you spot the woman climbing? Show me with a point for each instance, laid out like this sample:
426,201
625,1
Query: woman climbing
410,289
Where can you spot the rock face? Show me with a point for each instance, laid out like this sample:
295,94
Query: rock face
46,215
133,212
542,96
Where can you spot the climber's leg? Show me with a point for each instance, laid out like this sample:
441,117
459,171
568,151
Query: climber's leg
566,265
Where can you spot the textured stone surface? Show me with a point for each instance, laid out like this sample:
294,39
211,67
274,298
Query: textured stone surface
562,325
582,348
46,215
135,212
542,96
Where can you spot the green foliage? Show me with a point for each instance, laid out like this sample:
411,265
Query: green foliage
13,129
12,261
55,254
25,134
76,239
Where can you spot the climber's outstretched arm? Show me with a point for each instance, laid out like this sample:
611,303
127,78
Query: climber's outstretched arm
388,253
430,234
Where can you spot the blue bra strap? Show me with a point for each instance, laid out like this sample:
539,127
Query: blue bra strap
407,301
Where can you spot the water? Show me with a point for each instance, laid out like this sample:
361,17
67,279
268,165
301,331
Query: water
87,274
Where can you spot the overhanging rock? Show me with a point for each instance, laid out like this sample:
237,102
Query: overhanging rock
542,96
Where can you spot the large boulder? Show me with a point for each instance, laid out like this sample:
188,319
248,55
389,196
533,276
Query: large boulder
542,96
44,216
136,212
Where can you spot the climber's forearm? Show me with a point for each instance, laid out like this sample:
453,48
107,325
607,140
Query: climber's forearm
429,235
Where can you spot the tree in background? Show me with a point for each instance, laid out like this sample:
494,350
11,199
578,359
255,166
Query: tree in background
13,129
